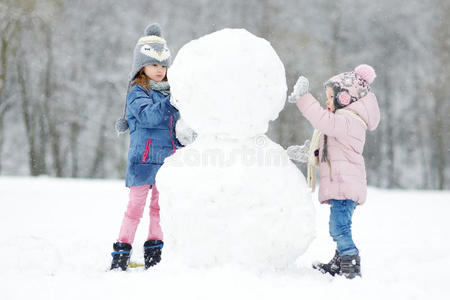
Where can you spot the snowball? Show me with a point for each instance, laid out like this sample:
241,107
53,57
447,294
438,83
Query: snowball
228,73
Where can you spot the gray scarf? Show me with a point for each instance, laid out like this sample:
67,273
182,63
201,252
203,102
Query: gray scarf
162,87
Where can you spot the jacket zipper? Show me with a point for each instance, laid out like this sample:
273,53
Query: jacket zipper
171,138
147,149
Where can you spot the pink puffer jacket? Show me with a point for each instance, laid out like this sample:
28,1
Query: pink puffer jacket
346,138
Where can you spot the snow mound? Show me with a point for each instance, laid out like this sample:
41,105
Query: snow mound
234,203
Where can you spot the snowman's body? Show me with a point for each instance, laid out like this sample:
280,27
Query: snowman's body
232,196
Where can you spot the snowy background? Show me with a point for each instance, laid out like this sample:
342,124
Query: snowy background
63,75
64,67
57,237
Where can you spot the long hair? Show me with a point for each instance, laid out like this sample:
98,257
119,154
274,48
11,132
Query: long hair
142,79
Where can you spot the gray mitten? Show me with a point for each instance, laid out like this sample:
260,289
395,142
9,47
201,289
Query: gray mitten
299,153
301,87
185,135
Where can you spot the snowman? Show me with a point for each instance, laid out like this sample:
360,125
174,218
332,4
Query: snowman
232,196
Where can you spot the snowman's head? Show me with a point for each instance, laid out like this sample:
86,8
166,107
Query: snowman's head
229,83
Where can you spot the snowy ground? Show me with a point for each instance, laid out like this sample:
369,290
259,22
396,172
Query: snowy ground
57,236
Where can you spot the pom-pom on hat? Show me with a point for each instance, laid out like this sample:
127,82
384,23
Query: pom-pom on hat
366,72
351,86
149,50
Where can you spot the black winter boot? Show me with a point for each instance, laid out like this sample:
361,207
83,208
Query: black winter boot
152,252
121,256
333,267
350,266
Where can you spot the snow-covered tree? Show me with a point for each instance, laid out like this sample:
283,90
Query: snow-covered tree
64,68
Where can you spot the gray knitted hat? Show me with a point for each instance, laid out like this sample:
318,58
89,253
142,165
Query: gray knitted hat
150,49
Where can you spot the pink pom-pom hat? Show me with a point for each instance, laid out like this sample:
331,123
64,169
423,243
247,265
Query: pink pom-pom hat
354,85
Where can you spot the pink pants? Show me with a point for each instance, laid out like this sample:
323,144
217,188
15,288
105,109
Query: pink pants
135,210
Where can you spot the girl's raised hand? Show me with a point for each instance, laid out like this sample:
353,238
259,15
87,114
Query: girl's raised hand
301,87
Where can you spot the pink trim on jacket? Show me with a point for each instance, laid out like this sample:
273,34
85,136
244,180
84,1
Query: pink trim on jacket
171,129
147,149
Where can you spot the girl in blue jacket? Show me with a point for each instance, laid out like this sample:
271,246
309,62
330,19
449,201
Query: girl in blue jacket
151,120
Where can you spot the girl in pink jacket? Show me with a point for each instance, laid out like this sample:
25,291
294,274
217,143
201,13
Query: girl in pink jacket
337,147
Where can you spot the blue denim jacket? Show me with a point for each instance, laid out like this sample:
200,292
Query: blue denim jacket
151,119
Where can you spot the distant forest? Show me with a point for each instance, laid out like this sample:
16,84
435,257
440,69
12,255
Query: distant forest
64,67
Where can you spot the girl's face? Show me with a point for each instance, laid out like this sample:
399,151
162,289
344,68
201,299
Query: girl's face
330,99
155,72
